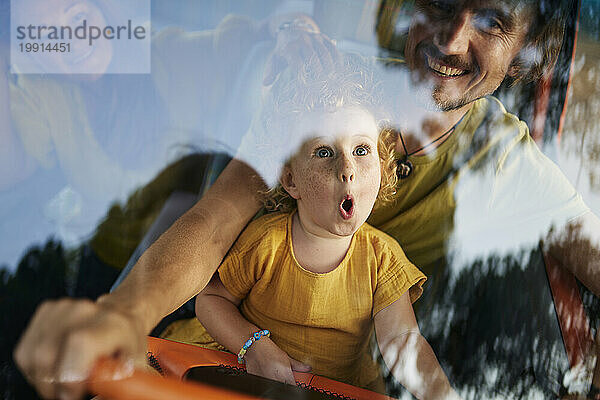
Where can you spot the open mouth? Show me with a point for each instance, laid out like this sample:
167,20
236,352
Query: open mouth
347,207
445,70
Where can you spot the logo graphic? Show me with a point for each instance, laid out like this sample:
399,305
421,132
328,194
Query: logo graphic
80,37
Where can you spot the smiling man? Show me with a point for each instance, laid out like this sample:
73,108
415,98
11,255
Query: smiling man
466,161
458,51
474,186
477,195
466,49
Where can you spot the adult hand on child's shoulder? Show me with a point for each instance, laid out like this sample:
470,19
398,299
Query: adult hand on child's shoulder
298,41
266,359
66,337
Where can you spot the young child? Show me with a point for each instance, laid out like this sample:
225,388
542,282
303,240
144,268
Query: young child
315,275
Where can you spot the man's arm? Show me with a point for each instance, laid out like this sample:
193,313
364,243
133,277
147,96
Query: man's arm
408,355
185,257
57,357
577,247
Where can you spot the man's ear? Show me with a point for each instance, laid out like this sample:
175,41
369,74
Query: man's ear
515,69
527,60
288,183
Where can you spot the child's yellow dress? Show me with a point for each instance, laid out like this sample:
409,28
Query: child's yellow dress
324,320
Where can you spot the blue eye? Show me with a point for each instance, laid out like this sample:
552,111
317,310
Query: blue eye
324,152
361,151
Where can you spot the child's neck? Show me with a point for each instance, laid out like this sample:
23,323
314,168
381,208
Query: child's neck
316,253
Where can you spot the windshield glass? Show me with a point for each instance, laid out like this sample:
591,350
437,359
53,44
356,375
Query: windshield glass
488,112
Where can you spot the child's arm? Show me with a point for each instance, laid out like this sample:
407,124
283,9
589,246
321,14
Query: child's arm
218,311
408,355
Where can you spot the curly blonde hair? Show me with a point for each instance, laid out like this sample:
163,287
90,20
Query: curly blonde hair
352,83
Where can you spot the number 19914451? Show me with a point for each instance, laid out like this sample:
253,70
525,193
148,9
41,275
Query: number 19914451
45,47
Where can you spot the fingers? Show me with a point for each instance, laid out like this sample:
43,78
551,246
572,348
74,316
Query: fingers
299,367
327,52
274,66
332,49
268,360
288,376
109,336
282,373
292,55
37,351
297,47
58,357
273,368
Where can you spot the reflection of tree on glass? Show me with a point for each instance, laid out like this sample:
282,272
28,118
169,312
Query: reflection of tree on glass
43,273
580,139
484,172
72,143
499,194
91,125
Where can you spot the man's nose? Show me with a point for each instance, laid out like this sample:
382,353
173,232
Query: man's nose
346,169
455,35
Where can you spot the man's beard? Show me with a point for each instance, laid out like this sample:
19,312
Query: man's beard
431,98
449,104
431,95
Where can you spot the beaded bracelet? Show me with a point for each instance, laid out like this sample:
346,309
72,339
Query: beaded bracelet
255,336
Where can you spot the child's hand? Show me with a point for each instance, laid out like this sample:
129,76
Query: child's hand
266,359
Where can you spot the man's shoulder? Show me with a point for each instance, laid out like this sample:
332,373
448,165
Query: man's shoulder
495,115
496,132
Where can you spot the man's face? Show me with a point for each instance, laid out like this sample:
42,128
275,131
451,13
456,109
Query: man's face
461,50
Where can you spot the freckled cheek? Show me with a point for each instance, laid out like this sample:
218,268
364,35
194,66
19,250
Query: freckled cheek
317,186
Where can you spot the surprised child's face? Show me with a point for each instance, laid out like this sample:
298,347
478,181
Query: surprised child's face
335,176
